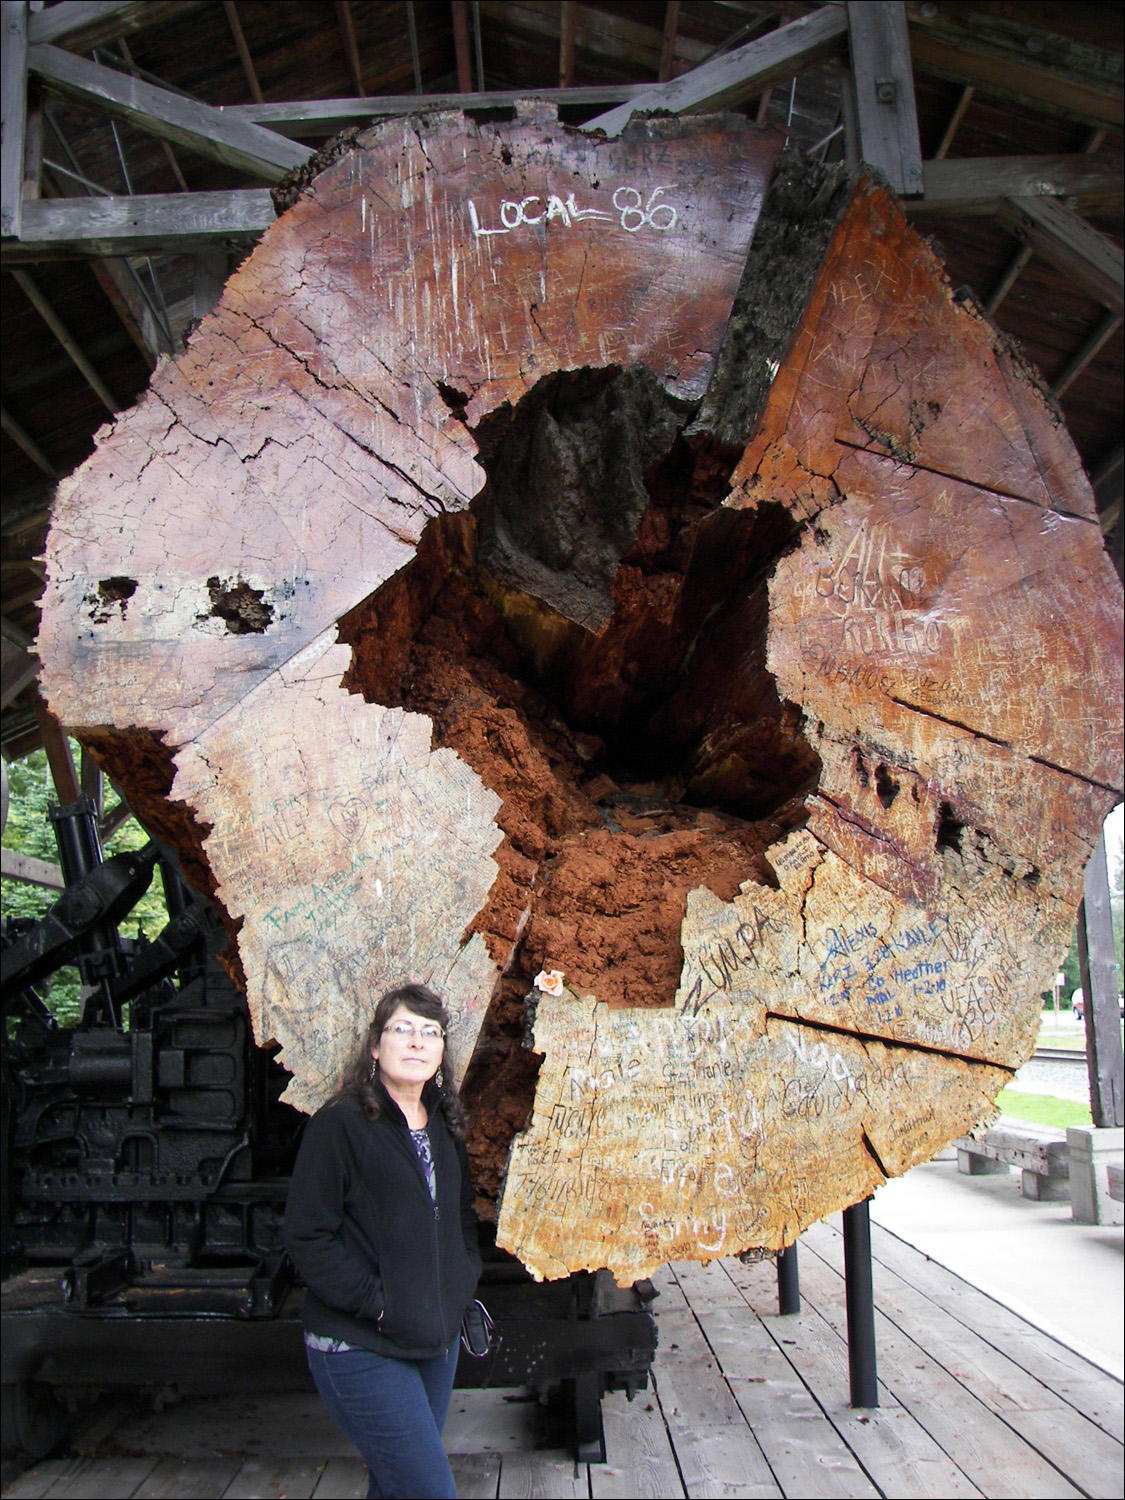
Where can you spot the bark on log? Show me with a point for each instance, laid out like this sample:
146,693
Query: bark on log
738,734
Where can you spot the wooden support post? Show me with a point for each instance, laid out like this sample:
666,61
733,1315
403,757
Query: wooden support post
1099,984
883,81
13,100
59,759
788,1282
91,781
859,1295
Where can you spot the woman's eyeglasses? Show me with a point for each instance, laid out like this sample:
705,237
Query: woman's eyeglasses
404,1030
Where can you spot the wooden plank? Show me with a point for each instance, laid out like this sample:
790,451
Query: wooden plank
984,1446
200,127
1081,1384
976,186
293,1478
706,1286
20,435
105,1479
146,224
491,1421
723,1460
568,30
899,1455
883,89
801,1447
670,1294
343,1479
688,1378
188,1479
640,1464
530,1476
1097,963
1089,258
32,871
38,1481
737,75
13,103
82,25
243,51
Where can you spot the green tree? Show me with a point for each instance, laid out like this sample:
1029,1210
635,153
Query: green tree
29,831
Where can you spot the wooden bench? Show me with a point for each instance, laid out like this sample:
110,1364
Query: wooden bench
1115,1172
1039,1152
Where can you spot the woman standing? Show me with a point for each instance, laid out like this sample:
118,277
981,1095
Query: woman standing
381,1228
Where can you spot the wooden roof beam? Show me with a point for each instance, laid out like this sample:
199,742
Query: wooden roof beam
59,758
248,70
210,133
976,186
1088,258
66,339
346,23
146,224
1022,65
740,74
316,118
963,102
882,81
82,25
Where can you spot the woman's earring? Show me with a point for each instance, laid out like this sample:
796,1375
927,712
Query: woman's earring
374,1070
439,1078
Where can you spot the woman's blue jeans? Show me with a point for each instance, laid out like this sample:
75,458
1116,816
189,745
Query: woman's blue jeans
393,1410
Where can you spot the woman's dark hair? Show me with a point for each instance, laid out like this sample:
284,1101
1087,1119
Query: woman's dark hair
356,1080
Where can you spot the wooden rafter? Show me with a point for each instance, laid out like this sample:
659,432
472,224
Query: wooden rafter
963,102
740,74
205,130
59,758
346,24
23,439
1087,353
1008,278
568,32
460,10
66,339
668,45
248,70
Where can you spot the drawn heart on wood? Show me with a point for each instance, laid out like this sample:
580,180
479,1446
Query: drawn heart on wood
348,818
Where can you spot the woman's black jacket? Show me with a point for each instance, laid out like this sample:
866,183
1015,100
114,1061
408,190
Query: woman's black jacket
386,1268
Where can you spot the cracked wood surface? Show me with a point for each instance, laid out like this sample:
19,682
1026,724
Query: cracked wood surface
828,1017
292,458
951,627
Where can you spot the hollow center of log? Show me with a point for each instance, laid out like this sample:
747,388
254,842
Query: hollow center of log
591,640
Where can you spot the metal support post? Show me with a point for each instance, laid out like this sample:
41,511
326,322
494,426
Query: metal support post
788,1282
861,1305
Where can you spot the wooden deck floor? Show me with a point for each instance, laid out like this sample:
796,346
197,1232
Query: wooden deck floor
974,1402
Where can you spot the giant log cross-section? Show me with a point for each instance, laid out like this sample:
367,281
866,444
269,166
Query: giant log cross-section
478,594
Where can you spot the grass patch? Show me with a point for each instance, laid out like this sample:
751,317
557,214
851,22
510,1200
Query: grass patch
1043,1109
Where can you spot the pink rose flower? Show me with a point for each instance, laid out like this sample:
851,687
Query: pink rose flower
550,981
